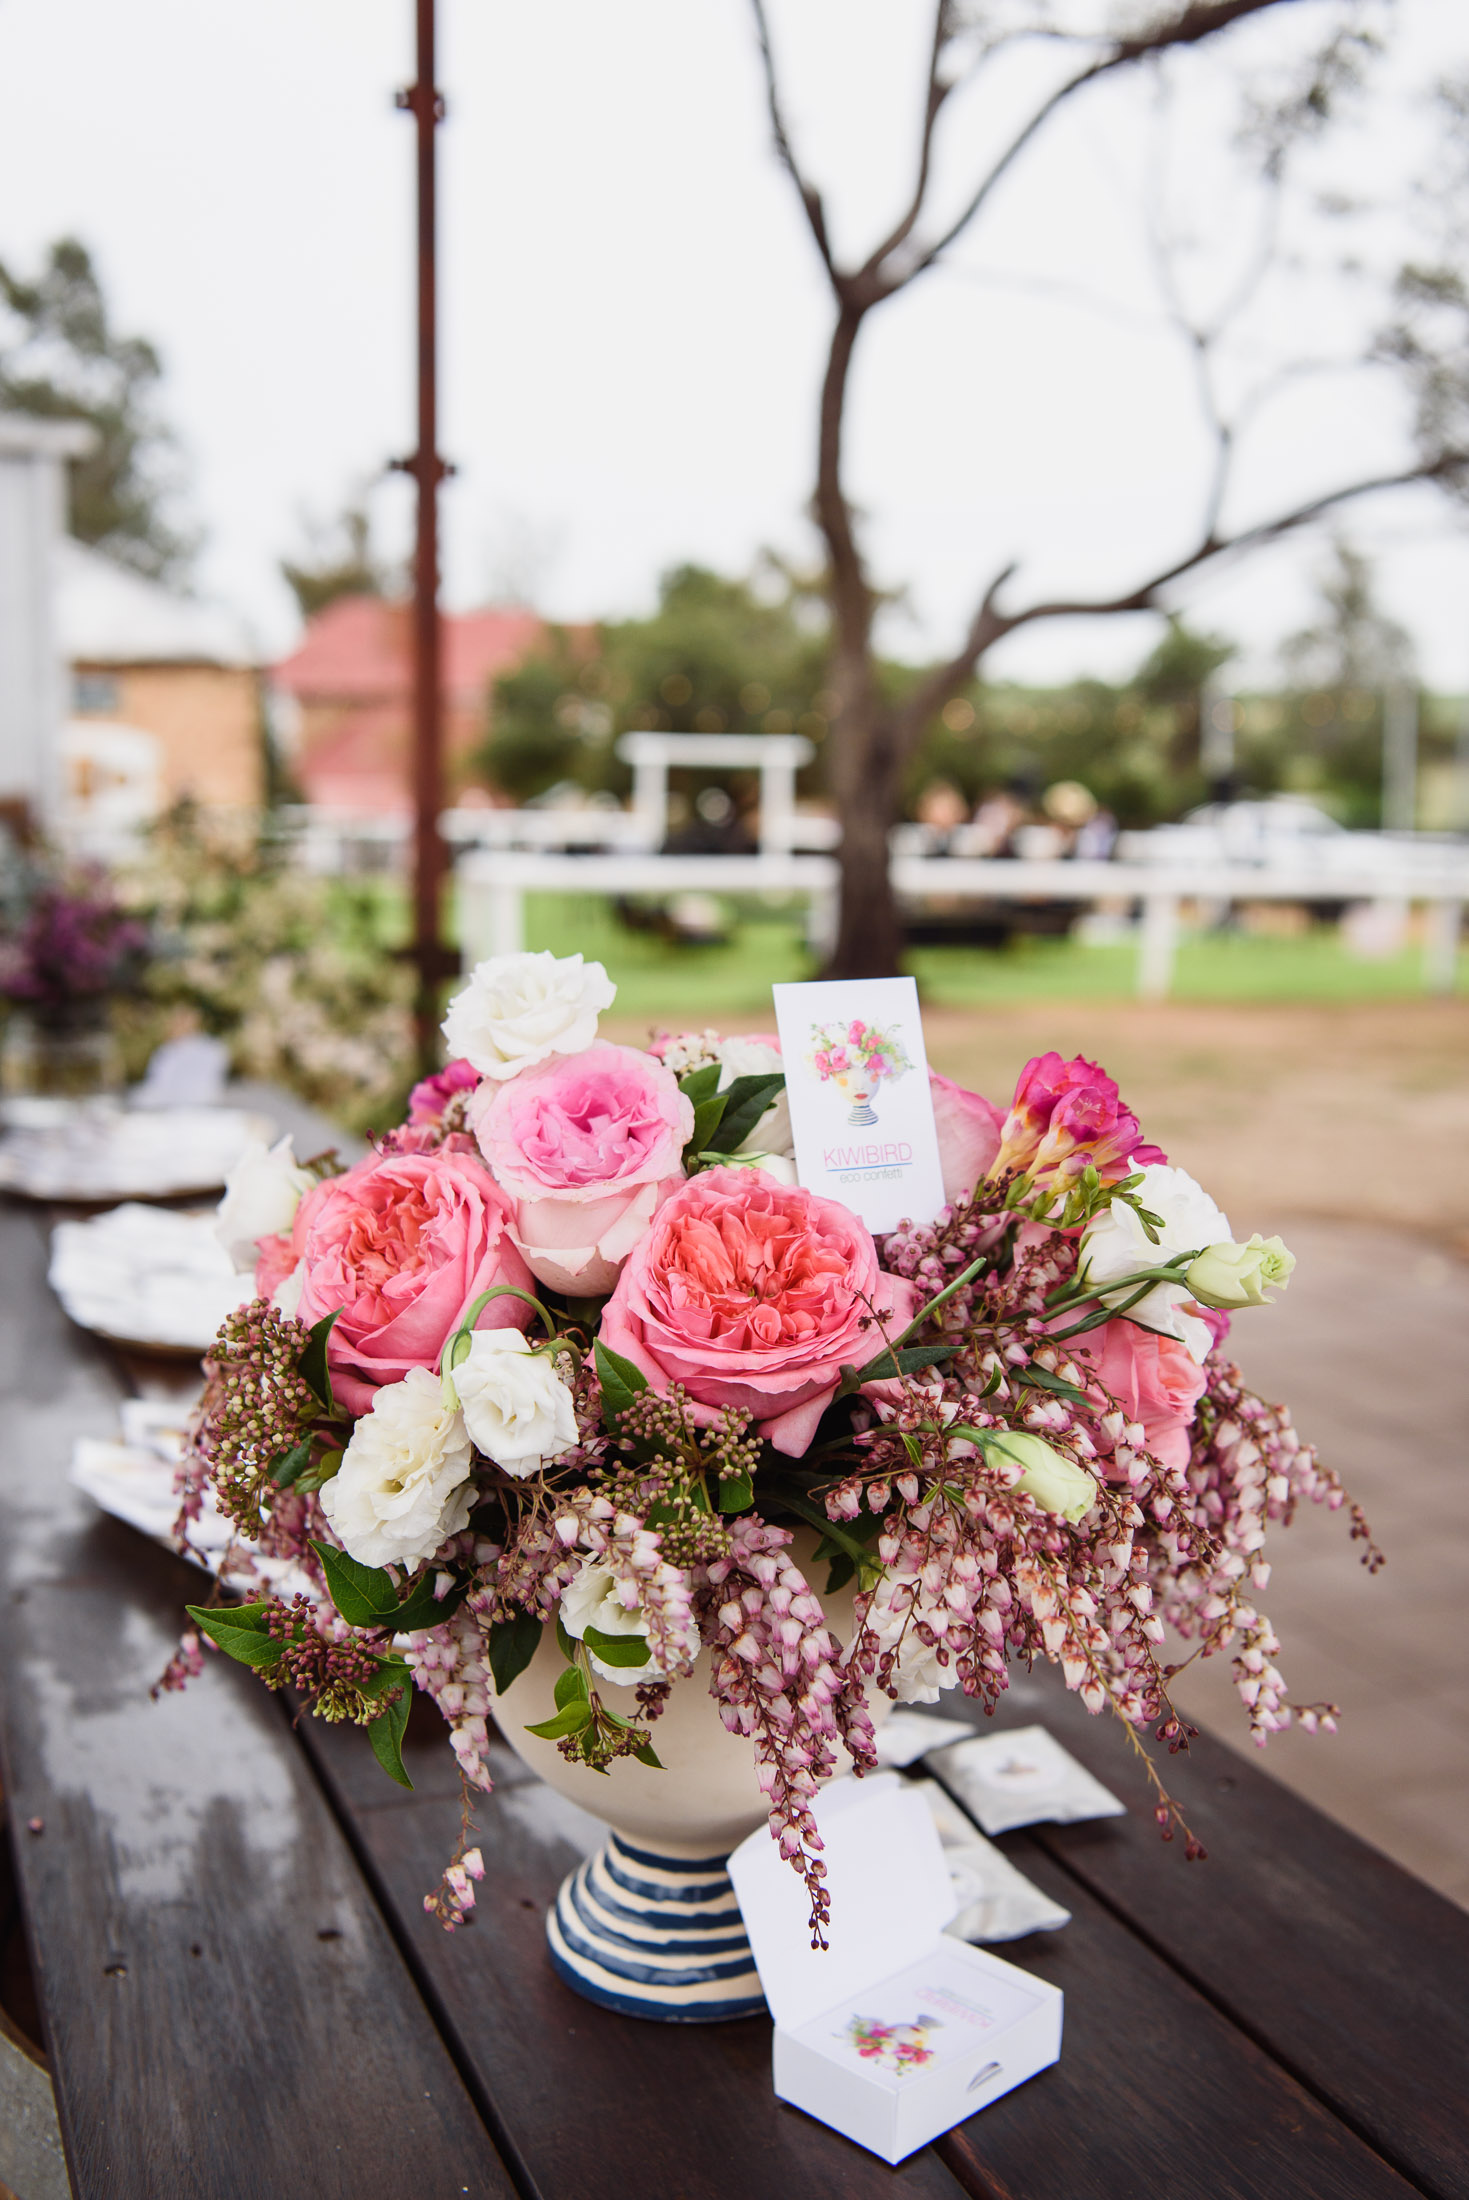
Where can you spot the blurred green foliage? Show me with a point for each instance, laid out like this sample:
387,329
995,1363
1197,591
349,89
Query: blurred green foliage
746,656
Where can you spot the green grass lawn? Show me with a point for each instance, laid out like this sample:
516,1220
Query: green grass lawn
689,985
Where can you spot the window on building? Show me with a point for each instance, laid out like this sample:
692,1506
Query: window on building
94,691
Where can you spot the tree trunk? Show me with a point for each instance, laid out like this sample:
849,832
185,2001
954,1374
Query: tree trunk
867,768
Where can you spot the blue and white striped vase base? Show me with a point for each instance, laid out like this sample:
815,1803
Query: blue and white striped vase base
654,1936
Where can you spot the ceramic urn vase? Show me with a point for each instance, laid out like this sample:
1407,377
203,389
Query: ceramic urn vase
649,1925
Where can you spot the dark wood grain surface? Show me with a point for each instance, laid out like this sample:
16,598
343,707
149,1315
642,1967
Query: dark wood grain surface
226,2013
1348,1971
244,1999
587,2105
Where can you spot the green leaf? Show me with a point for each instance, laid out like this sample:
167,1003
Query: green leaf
708,1116
839,1574
312,1366
617,1649
621,1383
701,1084
746,1101
909,1360
238,1630
421,1608
387,1730
564,1642
736,1494
291,1464
570,1721
513,1643
365,1596
648,1755
571,1687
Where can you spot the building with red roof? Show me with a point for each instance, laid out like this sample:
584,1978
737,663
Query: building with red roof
344,698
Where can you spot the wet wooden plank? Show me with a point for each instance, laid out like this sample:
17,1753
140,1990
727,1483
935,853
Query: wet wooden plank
1350,1972
1157,2096
587,2105
226,2014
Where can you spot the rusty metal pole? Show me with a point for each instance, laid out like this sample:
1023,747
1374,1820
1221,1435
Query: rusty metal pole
426,104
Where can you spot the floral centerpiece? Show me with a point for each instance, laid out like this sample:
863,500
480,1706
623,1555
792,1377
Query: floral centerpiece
571,1368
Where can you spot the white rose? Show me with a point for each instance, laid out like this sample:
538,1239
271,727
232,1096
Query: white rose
757,1058
595,1599
403,1485
261,1195
917,1674
518,1009
1116,1245
287,1296
516,1407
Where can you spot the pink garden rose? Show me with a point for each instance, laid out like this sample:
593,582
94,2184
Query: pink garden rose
585,1145
754,1294
1155,1380
1065,1115
431,1095
402,1243
275,1261
969,1135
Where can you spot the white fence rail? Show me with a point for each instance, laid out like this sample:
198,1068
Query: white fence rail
493,886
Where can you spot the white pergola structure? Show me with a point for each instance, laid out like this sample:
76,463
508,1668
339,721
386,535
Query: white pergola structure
776,756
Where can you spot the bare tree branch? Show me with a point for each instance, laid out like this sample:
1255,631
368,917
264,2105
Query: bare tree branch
937,92
810,197
990,625
1199,20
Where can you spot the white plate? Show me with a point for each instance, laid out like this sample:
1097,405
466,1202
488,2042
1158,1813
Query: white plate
145,1276
97,1151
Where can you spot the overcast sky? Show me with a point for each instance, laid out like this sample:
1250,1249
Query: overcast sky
634,323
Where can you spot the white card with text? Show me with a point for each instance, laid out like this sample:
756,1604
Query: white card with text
857,1080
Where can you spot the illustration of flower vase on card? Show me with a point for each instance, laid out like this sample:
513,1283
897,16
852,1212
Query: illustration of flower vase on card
902,2048
857,1058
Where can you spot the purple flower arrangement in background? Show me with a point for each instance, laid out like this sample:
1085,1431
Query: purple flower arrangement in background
72,948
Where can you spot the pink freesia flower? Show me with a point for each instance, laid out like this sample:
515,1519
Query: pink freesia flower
969,1135
402,1243
585,1145
430,1097
1155,1380
1065,1115
754,1294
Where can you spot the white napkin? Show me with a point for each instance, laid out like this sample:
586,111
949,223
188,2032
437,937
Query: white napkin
95,1150
146,1275
133,1480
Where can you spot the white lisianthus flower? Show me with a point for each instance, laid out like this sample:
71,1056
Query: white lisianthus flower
261,1195
403,1486
755,1057
516,1407
917,1675
1115,1245
595,1599
519,1009
1056,1483
1230,1276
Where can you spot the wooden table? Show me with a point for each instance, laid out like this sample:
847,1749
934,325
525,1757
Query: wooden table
243,1999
